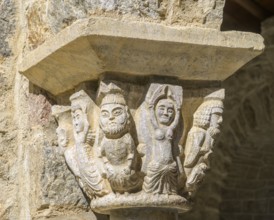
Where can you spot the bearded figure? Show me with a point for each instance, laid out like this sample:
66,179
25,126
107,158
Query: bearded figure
200,141
118,150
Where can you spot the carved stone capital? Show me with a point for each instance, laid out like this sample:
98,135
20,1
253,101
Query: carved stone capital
143,138
146,150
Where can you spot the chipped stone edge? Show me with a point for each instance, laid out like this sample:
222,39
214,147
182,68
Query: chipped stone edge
96,26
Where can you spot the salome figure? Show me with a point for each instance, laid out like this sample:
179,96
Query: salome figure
162,170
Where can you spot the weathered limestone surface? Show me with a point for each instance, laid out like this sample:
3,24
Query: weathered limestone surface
7,24
107,45
31,169
43,175
106,155
126,146
8,130
45,18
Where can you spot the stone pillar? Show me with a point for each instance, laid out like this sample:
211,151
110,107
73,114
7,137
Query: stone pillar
143,101
137,214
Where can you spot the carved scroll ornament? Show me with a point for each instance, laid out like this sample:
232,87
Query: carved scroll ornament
123,160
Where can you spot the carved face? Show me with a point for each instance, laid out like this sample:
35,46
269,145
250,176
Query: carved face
62,137
78,120
165,112
216,119
113,118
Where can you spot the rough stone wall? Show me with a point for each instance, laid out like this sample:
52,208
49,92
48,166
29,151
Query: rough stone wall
47,17
33,177
249,187
240,185
8,134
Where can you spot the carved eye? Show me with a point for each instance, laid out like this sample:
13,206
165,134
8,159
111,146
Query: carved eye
117,111
104,114
161,108
170,111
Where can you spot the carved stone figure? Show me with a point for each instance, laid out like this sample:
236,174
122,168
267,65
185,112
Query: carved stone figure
201,137
90,178
99,146
62,114
164,114
64,131
118,149
62,137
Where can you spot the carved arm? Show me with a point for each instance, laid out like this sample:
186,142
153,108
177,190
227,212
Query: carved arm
152,117
194,143
131,151
103,155
176,119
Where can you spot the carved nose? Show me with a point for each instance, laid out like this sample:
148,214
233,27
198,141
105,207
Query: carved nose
220,120
111,117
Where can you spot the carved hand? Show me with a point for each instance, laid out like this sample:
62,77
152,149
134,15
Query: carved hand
109,169
169,134
126,171
104,174
141,149
86,127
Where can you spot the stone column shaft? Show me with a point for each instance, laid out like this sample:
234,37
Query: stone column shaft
143,214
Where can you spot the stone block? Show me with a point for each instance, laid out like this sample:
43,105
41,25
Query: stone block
263,217
245,216
271,206
255,206
228,216
266,172
108,45
245,184
7,26
266,192
230,194
245,194
39,110
234,206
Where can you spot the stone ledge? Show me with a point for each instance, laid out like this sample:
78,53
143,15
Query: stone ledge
93,46
119,201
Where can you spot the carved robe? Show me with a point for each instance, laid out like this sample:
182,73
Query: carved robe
91,179
119,158
162,173
198,148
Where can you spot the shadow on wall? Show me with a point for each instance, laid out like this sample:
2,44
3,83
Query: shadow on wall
249,187
240,184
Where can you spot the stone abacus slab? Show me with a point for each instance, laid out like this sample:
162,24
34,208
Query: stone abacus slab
94,46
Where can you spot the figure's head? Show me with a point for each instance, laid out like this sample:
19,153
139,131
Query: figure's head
62,137
77,118
216,117
209,115
80,109
165,112
114,116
